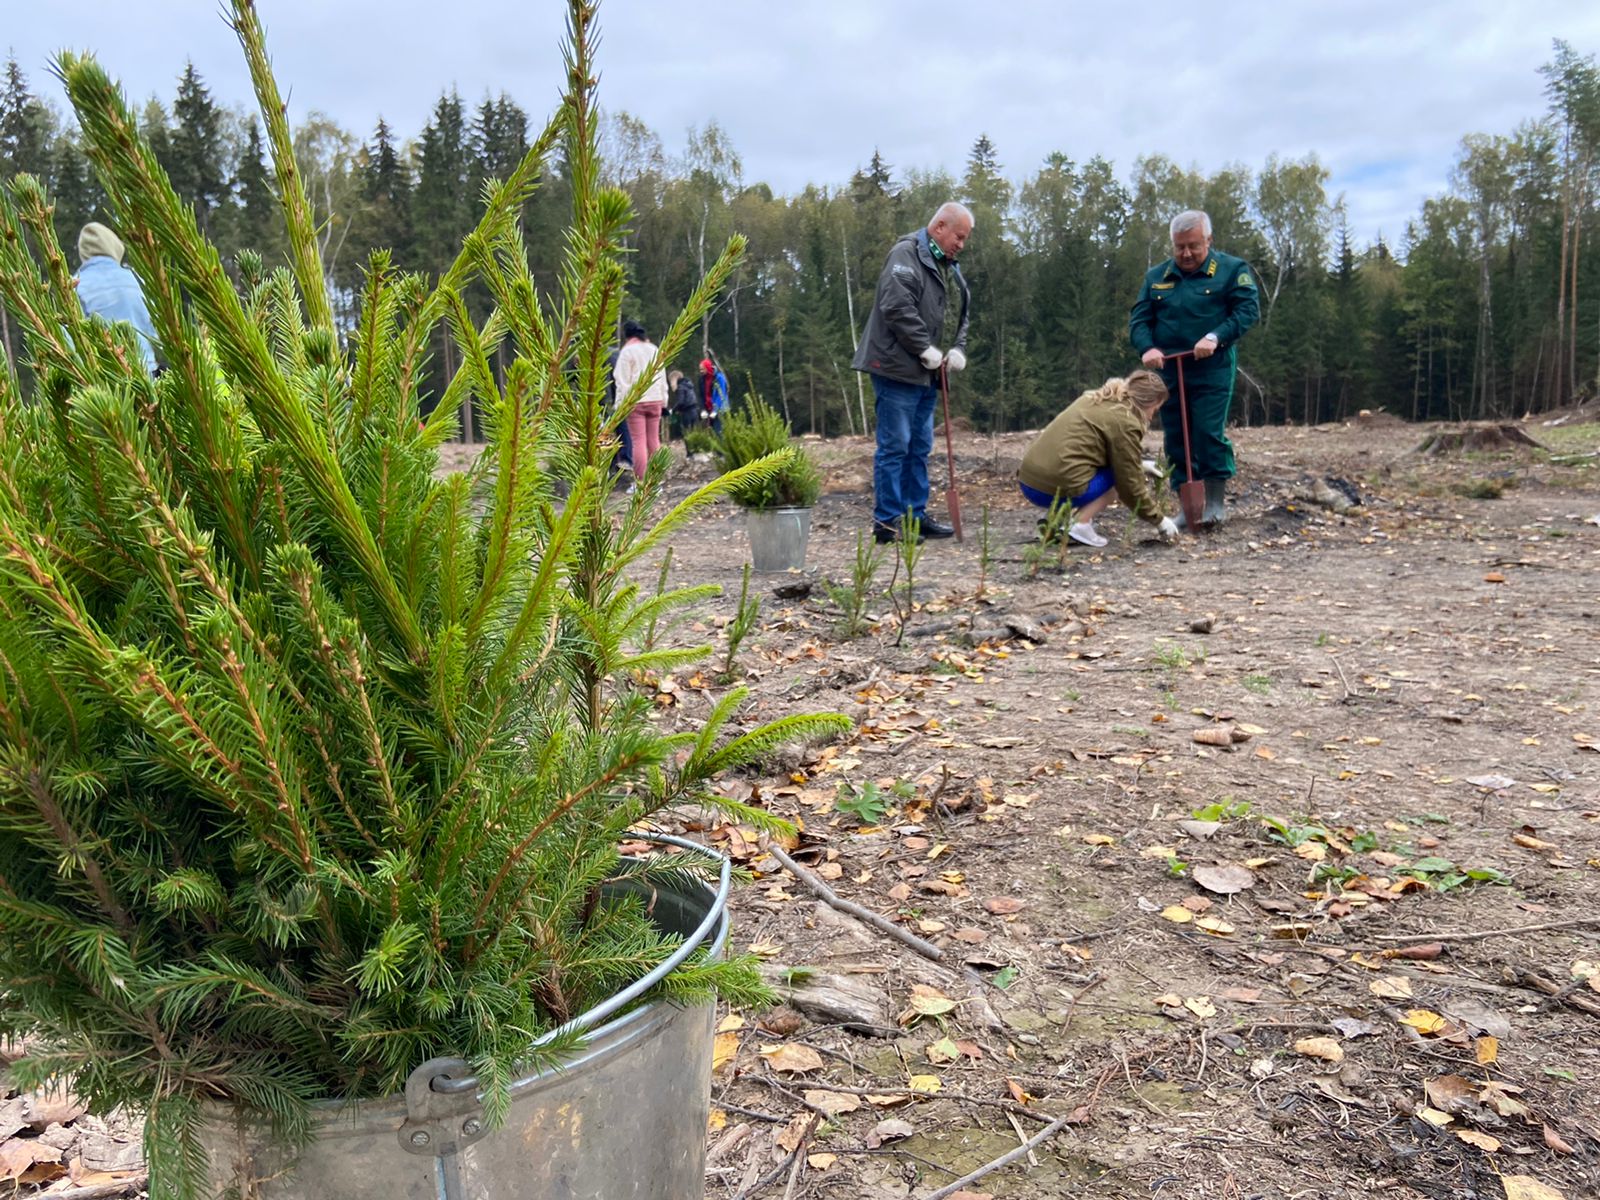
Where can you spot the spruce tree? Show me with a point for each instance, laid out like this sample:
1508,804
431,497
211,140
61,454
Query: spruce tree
26,125
314,765
195,164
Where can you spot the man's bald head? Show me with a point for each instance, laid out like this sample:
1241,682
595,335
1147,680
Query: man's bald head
950,228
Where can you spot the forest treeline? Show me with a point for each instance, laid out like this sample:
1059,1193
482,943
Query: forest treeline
1486,304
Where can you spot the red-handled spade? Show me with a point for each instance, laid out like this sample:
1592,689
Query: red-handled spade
1192,491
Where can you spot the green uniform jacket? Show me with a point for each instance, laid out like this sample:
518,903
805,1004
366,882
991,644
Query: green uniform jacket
1174,310
1091,434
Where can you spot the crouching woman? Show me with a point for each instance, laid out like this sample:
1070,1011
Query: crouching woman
1092,453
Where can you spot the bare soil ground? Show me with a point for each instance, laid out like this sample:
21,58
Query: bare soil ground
1407,694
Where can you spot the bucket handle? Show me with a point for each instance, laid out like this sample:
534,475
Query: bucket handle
631,993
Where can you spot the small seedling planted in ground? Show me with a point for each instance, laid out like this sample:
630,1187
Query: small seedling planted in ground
1051,545
985,552
851,598
744,620
1259,684
910,548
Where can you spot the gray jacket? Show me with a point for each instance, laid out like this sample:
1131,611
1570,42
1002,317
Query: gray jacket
908,313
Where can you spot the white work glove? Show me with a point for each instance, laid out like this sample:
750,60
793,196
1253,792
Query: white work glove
931,358
1168,529
956,360
1150,468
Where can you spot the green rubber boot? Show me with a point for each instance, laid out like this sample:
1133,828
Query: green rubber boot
1214,513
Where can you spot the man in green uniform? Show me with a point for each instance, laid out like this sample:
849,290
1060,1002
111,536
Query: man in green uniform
1202,300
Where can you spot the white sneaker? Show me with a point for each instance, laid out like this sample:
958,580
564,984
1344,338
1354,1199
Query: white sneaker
1084,534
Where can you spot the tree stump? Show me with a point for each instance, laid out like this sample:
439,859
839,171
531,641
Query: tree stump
1491,435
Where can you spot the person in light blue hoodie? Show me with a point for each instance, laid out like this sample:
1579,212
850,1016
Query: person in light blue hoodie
108,289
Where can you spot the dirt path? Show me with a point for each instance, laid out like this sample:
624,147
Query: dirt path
1417,683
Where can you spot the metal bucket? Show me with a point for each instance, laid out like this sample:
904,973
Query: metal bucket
622,1119
778,537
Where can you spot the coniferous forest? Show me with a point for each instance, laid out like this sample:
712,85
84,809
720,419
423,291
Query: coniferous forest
1486,304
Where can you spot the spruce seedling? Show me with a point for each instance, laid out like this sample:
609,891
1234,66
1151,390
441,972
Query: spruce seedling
985,552
316,765
851,599
744,620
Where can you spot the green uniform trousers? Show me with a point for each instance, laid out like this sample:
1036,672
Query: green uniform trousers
1210,395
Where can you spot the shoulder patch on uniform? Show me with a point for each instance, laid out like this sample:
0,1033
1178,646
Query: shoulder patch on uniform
902,269
1161,287
1211,268
1245,280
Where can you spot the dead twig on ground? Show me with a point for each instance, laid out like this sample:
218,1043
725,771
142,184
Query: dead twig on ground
1477,935
1078,995
1005,1160
865,915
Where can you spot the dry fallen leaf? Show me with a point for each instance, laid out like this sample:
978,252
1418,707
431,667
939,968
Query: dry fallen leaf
1017,1092
1391,987
1004,905
1434,1117
890,1130
723,1050
1214,925
1177,914
926,1002
1451,1093
791,1058
792,1134
1526,1187
821,1162
1528,841
1224,880
1325,1048
1424,1021
1213,737
832,1103
927,1085
1486,1050
1482,1141
1555,1142
1099,839
1201,1006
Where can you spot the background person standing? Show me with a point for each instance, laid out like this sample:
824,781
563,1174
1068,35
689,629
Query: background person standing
1204,300
644,418
900,351
108,289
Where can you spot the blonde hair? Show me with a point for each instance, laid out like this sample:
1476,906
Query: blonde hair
1143,392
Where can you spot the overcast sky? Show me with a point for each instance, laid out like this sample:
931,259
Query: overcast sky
1381,90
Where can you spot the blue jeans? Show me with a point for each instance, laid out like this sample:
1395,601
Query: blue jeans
1101,483
905,437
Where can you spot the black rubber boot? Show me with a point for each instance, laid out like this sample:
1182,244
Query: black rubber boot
1214,513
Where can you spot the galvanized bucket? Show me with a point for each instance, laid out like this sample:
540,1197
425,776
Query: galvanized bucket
778,537
622,1119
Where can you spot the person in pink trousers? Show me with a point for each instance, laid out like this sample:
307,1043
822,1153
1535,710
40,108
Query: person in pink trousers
644,419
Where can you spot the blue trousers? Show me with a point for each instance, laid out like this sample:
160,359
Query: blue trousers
1100,483
905,437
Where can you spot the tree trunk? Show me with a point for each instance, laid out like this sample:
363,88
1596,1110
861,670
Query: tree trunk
855,337
1559,374
844,397
783,387
1572,339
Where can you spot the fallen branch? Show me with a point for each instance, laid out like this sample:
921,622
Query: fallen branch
1005,1160
865,915
1478,935
101,1191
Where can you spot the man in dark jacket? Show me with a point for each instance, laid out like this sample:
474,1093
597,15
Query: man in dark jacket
900,350
1202,300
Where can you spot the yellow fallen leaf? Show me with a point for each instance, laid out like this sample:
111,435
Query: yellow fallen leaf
723,1050
717,1121
1177,914
1200,1006
1482,1141
943,1051
928,1085
821,1162
1159,852
1526,1187
1434,1117
729,1023
1325,1048
1214,925
1424,1021
1529,842
765,949
888,1101
1311,851
1099,839
1486,1049
927,925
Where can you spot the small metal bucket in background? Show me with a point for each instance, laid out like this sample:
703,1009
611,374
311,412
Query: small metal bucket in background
623,1119
778,538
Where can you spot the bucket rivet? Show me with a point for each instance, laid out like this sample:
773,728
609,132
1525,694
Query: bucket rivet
420,1138
471,1126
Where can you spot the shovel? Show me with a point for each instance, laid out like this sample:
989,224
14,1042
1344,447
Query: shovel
950,495
1192,491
